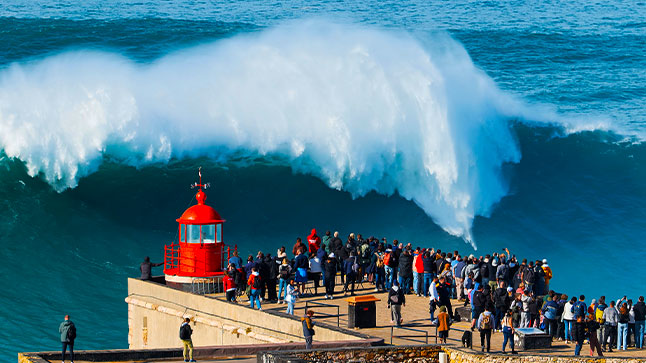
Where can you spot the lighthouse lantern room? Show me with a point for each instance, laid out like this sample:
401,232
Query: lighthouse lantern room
199,251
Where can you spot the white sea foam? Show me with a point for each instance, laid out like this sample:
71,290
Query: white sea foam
362,109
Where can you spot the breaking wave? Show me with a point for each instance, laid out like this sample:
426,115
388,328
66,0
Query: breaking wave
362,109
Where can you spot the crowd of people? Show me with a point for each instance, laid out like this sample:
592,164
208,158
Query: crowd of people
503,292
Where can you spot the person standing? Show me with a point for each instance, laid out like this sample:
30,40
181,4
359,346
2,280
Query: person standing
579,334
622,325
508,331
146,268
593,326
640,318
351,270
330,267
610,317
443,324
185,333
67,329
290,297
255,284
396,299
485,326
308,328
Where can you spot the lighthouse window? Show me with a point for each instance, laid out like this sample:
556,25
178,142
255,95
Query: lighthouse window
208,233
193,233
219,233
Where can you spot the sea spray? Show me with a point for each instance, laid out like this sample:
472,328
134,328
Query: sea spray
360,108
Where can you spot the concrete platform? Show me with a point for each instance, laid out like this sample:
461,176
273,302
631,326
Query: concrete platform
416,316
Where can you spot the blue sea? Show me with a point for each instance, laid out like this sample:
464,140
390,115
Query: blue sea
469,125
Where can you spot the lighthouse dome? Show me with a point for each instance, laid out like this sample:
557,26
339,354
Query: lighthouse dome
200,213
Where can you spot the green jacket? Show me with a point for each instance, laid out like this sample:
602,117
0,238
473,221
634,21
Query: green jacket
63,328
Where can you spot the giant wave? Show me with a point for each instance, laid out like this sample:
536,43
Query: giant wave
362,109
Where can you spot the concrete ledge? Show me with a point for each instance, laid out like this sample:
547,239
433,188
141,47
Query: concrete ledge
117,355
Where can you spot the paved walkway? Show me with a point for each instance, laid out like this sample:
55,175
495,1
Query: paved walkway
416,316
221,360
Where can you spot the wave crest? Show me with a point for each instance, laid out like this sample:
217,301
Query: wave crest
363,109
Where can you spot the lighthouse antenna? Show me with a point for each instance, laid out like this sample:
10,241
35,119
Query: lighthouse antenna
199,184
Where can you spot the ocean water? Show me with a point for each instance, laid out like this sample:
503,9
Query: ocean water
455,124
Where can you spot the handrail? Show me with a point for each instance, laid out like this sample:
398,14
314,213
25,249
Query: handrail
392,329
316,303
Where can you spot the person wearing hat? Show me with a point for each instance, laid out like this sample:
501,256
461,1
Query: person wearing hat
329,270
548,274
443,325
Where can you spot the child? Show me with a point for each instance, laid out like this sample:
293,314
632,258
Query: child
443,324
290,297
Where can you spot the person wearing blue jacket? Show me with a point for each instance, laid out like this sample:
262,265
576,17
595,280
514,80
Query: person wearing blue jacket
550,312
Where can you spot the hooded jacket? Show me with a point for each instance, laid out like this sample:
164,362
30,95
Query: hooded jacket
405,265
314,241
64,328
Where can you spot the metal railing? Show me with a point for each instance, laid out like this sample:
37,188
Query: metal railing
424,334
324,315
207,285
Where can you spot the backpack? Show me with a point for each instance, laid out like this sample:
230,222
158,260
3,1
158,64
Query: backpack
185,332
394,298
486,322
380,261
386,259
355,266
284,272
577,309
71,333
502,272
529,275
256,282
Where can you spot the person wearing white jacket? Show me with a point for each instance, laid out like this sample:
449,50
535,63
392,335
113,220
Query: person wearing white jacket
568,319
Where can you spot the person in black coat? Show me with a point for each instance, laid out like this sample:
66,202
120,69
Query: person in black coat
350,274
444,294
405,271
329,270
272,277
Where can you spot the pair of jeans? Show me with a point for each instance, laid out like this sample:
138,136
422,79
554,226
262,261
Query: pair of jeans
622,334
550,327
188,349
254,298
485,337
71,345
388,272
404,283
282,287
290,308
380,279
611,331
349,280
428,279
509,337
639,333
415,282
499,313
577,348
569,326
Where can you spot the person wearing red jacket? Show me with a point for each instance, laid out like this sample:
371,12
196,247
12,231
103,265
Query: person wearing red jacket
418,274
314,241
229,283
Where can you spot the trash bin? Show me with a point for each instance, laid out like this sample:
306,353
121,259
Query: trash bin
362,312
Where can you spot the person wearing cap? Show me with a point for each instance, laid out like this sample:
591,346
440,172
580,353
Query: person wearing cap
329,270
493,269
548,274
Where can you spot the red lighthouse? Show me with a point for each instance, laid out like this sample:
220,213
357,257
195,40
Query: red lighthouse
200,251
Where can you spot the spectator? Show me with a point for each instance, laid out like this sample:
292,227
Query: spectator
485,326
610,316
313,241
235,260
443,325
291,295
640,317
396,299
508,331
185,333
284,275
593,326
254,283
330,267
308,328
146,268
67,329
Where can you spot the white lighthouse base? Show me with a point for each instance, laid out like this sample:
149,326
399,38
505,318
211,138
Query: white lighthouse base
196,285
